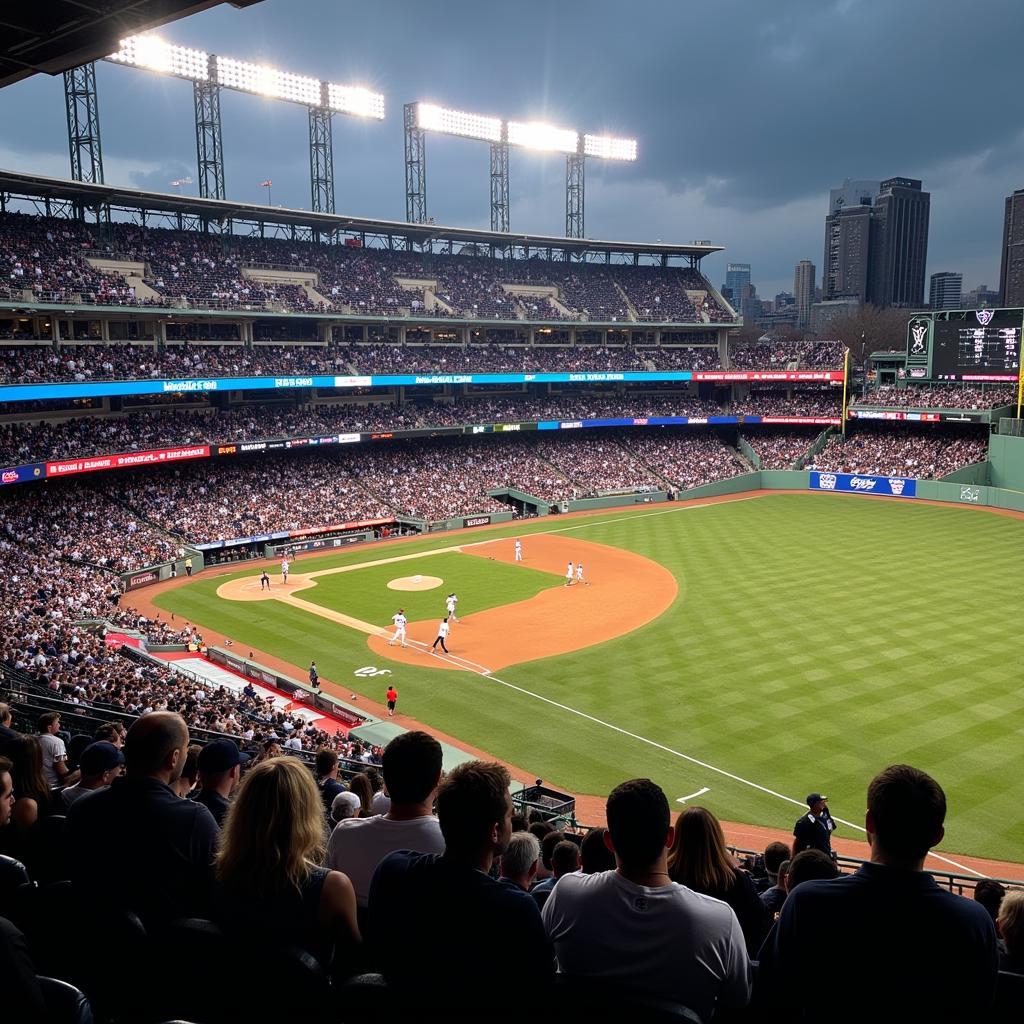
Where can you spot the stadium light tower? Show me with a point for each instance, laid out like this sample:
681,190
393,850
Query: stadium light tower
604,147
83,124
210,73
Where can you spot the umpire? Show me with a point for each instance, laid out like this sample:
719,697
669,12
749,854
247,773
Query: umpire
814,831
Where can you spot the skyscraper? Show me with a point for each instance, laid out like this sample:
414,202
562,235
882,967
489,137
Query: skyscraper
945,290
803,289
899,243
1011,270
844,273
736,276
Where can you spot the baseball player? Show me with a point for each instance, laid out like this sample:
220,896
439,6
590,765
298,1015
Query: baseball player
450,602
400,622
264,581
519,550
284,569
442,632
569,575
392,699
579,573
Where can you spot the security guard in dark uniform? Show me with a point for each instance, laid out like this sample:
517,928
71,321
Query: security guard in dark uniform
814,830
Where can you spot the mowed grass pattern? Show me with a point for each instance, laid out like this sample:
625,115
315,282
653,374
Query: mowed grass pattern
815,639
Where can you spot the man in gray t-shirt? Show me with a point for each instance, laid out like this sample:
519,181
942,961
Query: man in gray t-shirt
636,927
55,754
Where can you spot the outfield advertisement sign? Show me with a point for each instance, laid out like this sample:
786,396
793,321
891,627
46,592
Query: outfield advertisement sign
157,456
857,483
23,474
916,417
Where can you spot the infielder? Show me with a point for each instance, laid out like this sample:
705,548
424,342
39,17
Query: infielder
568,575
579,573
519,550
442,632
450,602
400,622
284,569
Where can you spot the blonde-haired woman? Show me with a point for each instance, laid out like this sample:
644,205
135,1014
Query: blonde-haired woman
700,860
270,887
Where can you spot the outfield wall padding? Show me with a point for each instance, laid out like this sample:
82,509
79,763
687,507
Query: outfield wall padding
975,473
615,501
734,485
1006,456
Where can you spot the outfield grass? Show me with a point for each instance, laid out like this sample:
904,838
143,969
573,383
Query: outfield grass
815,639
479,584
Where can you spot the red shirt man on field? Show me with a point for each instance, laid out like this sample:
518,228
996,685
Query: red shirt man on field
392,699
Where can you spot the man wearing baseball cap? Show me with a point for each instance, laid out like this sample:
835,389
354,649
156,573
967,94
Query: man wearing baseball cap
100,764
220,766
814,830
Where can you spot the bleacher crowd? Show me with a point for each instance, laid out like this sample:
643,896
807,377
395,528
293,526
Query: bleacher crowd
939,396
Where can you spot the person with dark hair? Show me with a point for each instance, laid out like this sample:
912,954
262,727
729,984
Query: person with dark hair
412,770
774,855
929,954
636,927
33,798
138,845
774,897
111,732
545,871
441,924
55,754
220,770
326,771
100,764
360,785
7,732
594,853
539,829
700,860
989,893
810,866
189,778
6,792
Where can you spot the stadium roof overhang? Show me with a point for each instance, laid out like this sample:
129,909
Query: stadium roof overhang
51,36
41,189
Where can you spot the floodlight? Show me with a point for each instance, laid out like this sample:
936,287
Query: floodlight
154,53
267,81
457,122
537,135
354,99
609,148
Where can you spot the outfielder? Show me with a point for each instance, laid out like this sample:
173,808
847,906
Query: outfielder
400,622
519,550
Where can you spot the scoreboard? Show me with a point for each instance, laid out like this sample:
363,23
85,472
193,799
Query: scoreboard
976,345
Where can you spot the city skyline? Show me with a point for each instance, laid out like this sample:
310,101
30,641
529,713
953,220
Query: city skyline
694,178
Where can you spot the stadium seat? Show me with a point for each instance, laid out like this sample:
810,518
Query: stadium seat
12,875
1009,1004
366,999
200,995
77,744
591,995
65,1004
48,849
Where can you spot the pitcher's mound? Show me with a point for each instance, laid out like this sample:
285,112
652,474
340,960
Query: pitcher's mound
415,583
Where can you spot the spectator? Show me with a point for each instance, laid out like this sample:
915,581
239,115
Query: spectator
137,844
595,855
808,866
774,855
930,955
33,798
1010,925
186,784
636,927
22,997
412,770
344,806
381,802
55,755
519,861
565,860
100,764
774,897
545,869
699,860
111,732
6,791
327,776
269,888
989,893
6,731
360,785
220,768
429,914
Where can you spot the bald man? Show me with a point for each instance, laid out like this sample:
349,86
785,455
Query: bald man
138,845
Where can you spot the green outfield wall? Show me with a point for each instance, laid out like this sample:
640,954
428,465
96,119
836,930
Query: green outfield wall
614,501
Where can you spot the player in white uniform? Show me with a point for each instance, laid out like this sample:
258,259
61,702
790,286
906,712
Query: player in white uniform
519,550
450,602
284,569
568,575
442,632
400,622
579,573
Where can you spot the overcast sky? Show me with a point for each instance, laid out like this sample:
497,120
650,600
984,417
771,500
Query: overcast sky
746,112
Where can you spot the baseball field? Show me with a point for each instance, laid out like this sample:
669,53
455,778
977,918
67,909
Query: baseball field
754,649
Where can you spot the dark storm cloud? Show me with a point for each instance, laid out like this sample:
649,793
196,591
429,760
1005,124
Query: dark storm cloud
747,112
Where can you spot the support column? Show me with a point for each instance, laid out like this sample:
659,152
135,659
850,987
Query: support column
321,157
499,186
83,124
209,138
575,195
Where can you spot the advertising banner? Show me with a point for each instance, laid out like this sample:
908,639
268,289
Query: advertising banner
898,414
855,483
22,474
741,375
142,579
476,521
157,456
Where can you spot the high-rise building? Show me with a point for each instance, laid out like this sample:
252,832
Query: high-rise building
899,243
844,273
1011,270
750,304
803,289
945,290
737,276
981,297
852,193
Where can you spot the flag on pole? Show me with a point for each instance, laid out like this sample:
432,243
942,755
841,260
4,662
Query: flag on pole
266,184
